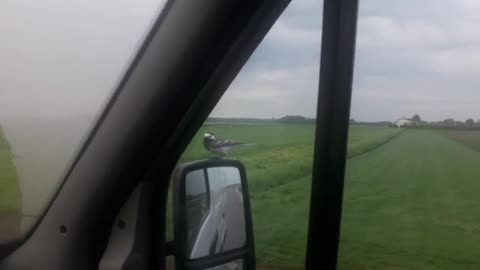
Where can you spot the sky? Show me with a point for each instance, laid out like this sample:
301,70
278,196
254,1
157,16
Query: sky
65,58
412,57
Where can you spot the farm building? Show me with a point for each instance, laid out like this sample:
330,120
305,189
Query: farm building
402,122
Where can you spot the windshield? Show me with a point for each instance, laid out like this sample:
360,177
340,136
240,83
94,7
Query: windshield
61,60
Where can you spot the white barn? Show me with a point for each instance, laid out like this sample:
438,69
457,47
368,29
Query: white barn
404,122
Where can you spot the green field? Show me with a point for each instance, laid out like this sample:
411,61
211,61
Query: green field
413,204
282,153
279,168
10,197
411,199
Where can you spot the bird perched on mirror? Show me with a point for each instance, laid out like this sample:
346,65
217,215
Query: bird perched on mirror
220,146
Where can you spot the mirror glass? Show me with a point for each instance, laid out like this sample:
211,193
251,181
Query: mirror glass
215,211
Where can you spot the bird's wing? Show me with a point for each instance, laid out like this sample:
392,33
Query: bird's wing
220,143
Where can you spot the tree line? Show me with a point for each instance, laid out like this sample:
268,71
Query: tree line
448,123
417,122
287,119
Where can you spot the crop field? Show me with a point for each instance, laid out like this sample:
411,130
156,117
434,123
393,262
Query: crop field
413,204
279,168
412,197
470,138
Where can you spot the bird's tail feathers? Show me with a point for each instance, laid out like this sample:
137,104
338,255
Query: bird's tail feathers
246,144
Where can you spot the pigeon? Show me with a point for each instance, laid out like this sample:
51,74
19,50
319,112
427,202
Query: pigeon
219,146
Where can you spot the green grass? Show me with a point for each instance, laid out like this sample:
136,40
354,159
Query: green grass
412,204
364,139
279,169
10,197
282,153
411,198
280,218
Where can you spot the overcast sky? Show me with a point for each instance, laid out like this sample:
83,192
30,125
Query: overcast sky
65,58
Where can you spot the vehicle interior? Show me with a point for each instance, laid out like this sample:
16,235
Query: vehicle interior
132,178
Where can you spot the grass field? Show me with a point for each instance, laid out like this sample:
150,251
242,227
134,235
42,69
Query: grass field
282,153
10,197
413,204
411,199
279,168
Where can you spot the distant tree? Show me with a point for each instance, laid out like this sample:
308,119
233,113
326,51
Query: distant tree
296,119
352,121
416,118
376,124
470,122
449,122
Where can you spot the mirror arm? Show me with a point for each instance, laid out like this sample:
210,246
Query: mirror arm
170,248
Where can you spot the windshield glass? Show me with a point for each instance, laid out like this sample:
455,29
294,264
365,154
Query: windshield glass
61,60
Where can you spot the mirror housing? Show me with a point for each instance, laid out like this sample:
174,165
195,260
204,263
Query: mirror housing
212,216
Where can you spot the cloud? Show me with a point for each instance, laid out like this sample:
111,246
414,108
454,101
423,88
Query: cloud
384,32
282,75
285,34
271,93
411,57
63,58
417,60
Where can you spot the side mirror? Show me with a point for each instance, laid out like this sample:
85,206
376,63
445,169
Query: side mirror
213,224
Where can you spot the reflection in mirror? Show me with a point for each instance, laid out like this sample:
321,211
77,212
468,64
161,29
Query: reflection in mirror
215,211
197,203
235,265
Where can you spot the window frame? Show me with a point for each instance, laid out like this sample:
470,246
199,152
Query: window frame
331,136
